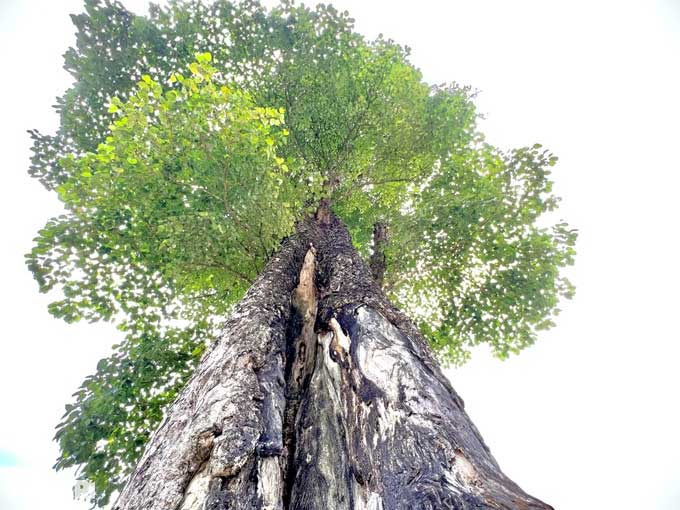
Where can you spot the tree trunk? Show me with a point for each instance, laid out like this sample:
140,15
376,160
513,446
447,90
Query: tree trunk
319,395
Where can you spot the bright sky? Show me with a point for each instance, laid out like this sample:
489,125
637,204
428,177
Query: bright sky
588,418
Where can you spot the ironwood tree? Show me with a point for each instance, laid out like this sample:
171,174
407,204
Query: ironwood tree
253,195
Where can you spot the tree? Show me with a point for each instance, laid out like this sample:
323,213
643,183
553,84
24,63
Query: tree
274,175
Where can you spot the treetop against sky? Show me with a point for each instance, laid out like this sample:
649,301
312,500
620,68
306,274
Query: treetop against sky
193,141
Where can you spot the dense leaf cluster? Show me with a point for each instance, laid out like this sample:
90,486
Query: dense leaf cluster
192,141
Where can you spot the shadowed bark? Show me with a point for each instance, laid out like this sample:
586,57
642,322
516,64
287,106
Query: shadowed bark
320,394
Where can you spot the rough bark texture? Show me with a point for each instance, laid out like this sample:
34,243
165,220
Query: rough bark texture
319,395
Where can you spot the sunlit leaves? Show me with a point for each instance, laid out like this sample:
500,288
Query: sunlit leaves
477,268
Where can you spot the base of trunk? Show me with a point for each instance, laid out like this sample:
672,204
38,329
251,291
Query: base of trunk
320,395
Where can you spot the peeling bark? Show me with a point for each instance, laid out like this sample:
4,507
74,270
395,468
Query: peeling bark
320,394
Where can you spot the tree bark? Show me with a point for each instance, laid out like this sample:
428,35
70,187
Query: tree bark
320,394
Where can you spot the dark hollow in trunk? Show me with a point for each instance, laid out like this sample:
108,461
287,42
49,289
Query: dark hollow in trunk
319,395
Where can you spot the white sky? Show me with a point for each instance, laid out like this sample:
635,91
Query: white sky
586,419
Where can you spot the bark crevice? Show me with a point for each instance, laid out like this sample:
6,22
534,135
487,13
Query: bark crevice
300,361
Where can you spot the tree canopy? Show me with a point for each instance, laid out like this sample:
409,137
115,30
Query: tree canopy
194,139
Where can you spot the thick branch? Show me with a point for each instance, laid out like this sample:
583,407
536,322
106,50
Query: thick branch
378,261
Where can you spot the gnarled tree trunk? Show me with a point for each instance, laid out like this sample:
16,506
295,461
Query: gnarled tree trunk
319,395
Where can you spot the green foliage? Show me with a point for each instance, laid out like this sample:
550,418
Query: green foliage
119,407
191,142
471,264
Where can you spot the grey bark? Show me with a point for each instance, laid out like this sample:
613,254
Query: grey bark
320,394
